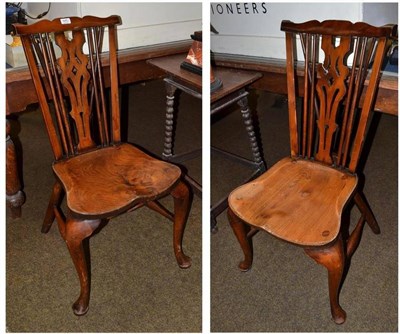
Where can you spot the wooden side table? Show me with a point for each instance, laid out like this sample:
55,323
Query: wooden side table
233,90
177,79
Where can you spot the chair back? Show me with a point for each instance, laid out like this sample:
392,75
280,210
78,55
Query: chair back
342,64
68,66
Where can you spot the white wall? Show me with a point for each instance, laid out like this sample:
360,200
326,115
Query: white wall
142,23
380,13
57,9
254,28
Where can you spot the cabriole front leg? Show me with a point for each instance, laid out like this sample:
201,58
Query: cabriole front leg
240,230
74,234
332,257
182,202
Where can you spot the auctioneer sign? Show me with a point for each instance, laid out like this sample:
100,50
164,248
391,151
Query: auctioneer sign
253,28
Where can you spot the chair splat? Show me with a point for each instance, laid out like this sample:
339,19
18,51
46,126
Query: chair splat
332,123
68,60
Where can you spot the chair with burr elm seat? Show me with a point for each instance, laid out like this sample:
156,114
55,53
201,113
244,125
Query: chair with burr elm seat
302,197
100,176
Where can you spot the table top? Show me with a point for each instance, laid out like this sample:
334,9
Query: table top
171,65
232,79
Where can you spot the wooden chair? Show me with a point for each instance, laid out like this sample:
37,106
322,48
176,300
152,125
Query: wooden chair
302,197
100,176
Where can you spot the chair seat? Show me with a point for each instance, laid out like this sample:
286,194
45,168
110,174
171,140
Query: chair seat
103,182
299,201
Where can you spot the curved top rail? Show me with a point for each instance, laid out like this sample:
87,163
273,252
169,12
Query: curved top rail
66,24
339,28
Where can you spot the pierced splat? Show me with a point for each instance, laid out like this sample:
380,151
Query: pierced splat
331,89
332,124
75,77
71,76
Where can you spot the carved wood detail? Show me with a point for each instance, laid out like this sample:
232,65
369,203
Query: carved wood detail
75,78
331,89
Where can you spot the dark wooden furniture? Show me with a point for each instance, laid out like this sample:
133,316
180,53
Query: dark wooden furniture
176,78
301,198
233,90
100,176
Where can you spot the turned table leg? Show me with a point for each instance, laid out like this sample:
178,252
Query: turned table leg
251,132
14,196
169,123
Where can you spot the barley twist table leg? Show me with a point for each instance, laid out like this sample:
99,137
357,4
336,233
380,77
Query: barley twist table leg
169,123
254,144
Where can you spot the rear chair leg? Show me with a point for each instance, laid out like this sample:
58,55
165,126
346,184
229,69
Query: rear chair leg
239,228
363,206
55,200
182,202
355,237
333,258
